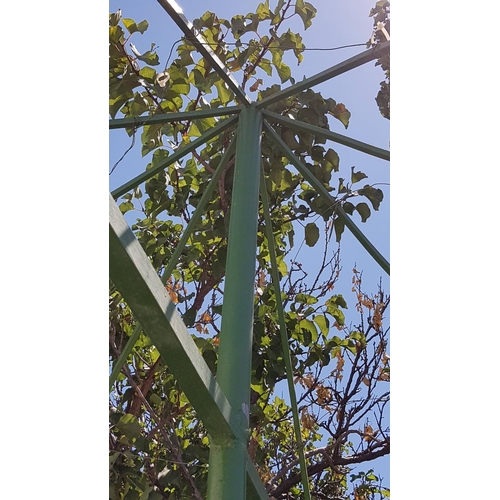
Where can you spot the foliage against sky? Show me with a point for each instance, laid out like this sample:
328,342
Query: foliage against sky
158,448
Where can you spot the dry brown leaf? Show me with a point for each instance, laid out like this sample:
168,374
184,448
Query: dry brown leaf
255,86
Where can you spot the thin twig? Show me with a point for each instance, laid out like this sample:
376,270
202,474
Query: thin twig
175,450
124,154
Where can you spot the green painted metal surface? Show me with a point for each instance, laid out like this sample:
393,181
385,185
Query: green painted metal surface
255,488
338,69
118,364
175,256
139,121
316,184
133,274
327,134
175,12
226,476
179,153
199,210
284,336
135,278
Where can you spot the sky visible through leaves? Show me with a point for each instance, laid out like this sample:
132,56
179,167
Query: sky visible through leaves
336,23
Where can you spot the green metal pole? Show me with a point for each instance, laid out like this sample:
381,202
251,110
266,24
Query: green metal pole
351,63
321,190
175,257
139,121
197,39
284,337
177,155
328,134
227,466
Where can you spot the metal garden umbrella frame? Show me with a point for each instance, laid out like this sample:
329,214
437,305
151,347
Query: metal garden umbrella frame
223,403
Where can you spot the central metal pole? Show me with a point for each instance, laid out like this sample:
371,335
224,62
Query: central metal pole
227,467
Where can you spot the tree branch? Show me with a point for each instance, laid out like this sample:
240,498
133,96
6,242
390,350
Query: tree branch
312,470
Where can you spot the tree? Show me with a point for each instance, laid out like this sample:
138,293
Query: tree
382,26
158,446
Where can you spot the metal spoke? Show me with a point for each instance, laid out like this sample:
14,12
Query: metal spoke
175,12
139,121
328,134
284,336
135,278
177,155
338,69
316,184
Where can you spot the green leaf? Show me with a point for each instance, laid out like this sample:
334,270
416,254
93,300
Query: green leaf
333,309
265,341
317,153
338,300
308,115
115,34
289,139
253,25
204,125
357,176
287,180
130,25
205,21
210,358
339,226
363,210
306,299
154,495
263,11
282,267
276,52
348,207
129,426
149,58
300,8
142,26
125,207
375,195
265,64
186,58
155,399
225,95
323,323
341,113
332,160
117,103
312,234
306,12
148,73
278,7
151,138
138,106
269,91
180,88
131,495
309,327
114,19
276,175
284,72
237,26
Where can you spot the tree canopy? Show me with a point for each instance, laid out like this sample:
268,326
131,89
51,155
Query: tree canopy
338,342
